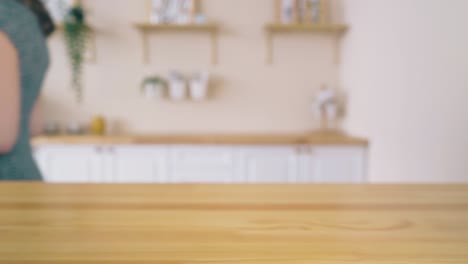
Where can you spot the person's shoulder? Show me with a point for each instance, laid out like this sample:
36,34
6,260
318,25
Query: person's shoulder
15,17
6,4
7,8
12,11
6,12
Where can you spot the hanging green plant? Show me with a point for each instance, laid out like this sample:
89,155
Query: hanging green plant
76,35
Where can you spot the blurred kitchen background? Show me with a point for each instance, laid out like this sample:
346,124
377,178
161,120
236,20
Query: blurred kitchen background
234,91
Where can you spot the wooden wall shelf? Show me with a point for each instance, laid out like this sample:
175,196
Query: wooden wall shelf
334,30
175,27
147,28
313,28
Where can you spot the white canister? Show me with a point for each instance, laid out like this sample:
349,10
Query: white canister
198,90
177,90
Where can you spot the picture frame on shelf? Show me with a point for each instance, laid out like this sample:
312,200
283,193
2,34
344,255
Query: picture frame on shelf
58,9
172,11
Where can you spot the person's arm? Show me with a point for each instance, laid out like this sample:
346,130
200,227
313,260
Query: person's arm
35,124
9,94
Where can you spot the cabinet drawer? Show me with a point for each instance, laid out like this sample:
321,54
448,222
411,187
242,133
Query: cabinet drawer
65,164
139,164
203,164
339,164
269,164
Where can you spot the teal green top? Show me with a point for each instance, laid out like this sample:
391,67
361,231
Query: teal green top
23,29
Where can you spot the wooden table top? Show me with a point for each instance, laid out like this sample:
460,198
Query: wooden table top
237,224
314,138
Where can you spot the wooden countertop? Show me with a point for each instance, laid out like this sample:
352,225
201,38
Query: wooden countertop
242,224
318,138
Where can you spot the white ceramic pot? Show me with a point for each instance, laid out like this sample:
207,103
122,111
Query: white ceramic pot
153,90
198,90
177,90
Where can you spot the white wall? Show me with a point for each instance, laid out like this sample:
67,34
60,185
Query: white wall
405,64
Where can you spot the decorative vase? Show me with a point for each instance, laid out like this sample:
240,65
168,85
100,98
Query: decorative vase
331,114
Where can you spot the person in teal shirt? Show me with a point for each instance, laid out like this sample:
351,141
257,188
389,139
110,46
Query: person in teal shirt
24,59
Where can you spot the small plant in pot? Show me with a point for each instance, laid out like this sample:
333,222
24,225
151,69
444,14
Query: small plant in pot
76,33
153,87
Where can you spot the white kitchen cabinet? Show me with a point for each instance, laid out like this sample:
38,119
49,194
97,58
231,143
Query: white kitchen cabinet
40,155
269,164
305,165
203,164
332,164
64,164
139,164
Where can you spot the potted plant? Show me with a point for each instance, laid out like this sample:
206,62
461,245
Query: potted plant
153,87
76,36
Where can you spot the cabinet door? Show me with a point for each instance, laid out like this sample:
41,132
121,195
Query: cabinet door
339,164
69,164
139,164
203,164
270,164
40,156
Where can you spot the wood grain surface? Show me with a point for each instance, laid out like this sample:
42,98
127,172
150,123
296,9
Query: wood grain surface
245,224
318,138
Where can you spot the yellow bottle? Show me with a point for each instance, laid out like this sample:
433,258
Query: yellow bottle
98,126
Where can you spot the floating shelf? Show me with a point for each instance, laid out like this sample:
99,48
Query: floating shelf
334,30
175,27
330,28
147,28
